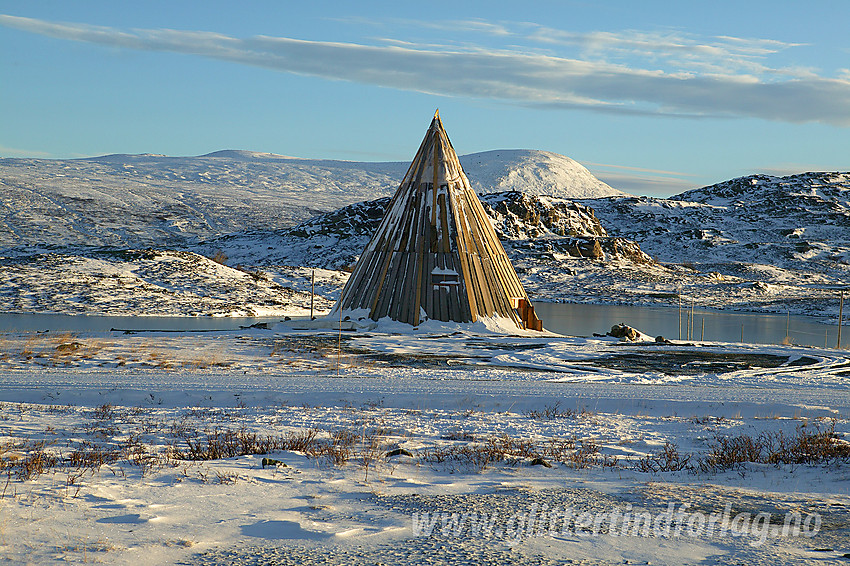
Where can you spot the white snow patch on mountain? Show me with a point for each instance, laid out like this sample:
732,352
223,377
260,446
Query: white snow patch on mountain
533,172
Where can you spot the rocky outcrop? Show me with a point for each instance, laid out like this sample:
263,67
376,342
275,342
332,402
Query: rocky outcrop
624,332
529,227
519,216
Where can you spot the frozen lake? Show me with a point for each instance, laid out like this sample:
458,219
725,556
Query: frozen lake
565,318
91,323
722,326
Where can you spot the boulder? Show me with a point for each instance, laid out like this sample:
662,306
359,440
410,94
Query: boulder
624,332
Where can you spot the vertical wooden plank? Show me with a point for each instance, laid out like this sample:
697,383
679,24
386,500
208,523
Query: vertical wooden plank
396,293
405,278
428,300
420,250
477,257
445,241
436,180
463,255
382,297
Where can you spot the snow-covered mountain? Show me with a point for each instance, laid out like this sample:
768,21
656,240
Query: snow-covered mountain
754,243
153,200
533,172
799,222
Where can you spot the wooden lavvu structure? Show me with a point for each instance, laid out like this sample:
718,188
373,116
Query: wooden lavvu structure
435,254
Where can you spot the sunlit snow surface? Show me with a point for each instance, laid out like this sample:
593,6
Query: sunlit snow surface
417,390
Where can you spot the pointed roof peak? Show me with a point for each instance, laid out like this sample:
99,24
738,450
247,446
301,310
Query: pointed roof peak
435,121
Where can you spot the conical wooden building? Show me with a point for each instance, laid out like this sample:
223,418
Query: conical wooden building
435,254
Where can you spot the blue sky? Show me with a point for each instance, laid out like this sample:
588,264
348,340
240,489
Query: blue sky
653,97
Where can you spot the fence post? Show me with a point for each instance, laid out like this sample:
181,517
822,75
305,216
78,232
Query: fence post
788,326
680,315
312,292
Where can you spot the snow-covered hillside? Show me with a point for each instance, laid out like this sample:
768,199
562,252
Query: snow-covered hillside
532,172
145,200
799,223
754,243
144,282
526,224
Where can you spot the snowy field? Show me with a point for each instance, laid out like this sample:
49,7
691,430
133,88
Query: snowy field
445,445
440,446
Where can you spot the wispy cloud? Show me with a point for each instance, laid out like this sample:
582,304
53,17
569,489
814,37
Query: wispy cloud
637,169
695,87
650,185
675,50
642,181
784,169
16,152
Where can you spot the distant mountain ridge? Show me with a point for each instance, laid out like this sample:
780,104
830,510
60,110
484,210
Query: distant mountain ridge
155,200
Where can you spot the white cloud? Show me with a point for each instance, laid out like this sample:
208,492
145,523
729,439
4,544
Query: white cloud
699,86
648,185
602,166
16,152
642,181
675,50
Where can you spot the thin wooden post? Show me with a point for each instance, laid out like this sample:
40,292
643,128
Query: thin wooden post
788,326
339,344
742,333
680,316
840,318
313,293
691,327
702,333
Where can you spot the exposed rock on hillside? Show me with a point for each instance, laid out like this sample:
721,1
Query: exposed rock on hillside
519,216
543,227
551,227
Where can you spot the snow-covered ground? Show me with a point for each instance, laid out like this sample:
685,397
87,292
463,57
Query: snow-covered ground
159,442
